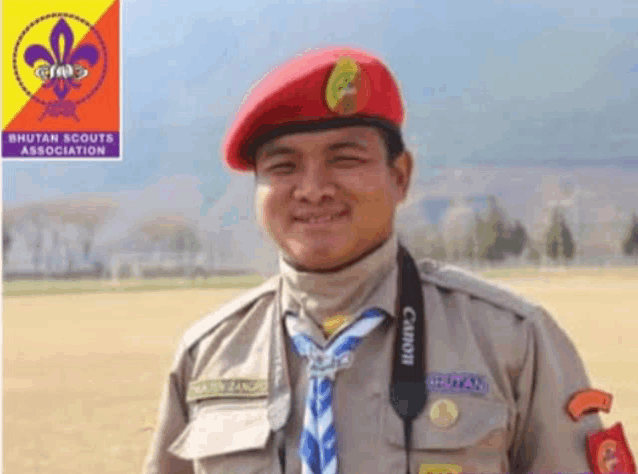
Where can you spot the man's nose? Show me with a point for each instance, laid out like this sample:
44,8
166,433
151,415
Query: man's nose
316,185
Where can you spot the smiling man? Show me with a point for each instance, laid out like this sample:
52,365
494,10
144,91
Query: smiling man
328,197
355,358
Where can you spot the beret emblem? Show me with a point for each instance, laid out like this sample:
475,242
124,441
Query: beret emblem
347,88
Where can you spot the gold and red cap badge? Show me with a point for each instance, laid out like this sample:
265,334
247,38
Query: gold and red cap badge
318,90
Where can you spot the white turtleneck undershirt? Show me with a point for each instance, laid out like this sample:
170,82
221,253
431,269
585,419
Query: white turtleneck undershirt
318,296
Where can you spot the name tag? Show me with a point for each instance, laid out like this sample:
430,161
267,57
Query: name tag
457,383
227,388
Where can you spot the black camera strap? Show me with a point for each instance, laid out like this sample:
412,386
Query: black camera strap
408,390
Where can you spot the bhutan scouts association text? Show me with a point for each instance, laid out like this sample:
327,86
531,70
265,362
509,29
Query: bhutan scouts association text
62,144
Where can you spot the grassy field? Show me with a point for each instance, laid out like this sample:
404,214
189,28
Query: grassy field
65,287
83,372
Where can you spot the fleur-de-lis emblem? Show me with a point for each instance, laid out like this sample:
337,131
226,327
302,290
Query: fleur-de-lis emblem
63,70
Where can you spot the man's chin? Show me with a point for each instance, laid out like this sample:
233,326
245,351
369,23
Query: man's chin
316,258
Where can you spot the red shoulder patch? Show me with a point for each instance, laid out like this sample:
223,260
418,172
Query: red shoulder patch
609,452
588,401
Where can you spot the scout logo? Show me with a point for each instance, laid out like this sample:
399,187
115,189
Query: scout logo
440,469
608,451
606,457
61,69
348,87
61,79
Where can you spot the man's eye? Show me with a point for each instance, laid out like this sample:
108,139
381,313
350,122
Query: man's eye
282,168
347,160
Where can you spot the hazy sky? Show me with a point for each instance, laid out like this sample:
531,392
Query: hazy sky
536,83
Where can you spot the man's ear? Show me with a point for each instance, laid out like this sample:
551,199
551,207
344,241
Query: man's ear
402,173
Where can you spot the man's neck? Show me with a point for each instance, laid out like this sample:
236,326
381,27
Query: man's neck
322,294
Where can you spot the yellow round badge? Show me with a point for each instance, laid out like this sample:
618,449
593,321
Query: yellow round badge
444,413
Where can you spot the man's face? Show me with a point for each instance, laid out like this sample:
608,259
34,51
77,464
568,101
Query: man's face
328,197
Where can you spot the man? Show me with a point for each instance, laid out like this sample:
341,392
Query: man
354,358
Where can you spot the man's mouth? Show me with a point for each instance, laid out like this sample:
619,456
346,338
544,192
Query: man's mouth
320,218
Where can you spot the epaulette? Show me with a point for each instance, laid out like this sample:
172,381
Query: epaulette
209,322
455,278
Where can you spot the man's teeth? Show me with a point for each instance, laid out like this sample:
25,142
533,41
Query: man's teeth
321,219
316,220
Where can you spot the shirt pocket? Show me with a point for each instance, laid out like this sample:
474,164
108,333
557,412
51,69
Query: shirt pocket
477,441
222,427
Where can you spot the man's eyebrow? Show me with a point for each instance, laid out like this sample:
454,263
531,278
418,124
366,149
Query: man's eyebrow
274,150
348,144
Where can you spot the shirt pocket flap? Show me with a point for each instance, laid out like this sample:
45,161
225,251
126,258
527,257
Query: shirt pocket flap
221,429
480,422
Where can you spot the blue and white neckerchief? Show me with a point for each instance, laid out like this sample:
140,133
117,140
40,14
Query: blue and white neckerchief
318,444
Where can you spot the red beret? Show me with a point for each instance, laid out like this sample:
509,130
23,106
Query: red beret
334,87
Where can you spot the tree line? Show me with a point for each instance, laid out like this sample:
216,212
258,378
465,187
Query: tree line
493,238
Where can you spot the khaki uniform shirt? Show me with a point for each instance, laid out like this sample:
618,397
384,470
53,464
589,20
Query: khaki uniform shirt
235,379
